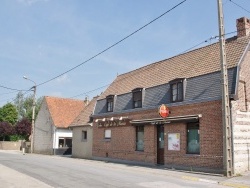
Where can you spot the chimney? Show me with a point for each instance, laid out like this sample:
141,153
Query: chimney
86,101
243,27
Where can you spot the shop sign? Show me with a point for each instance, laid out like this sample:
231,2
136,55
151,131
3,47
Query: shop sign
163,111
111,123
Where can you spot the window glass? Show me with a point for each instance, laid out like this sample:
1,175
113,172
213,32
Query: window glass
107,134
68,142
180,91
137,98
193,139
61,142
84,135
110,102
176,90
140,138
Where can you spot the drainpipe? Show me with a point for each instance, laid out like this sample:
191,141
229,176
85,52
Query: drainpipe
248,156
232,134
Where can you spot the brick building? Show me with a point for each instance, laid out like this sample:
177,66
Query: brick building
127,125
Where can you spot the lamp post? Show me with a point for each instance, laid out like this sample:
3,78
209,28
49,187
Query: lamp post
33,114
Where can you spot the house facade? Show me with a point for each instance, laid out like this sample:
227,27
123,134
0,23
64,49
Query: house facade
51,131
82,129
170,112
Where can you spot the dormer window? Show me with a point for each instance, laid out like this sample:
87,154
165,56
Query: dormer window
177,90
137,98
110,103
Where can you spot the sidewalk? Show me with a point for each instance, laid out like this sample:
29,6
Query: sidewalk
14,179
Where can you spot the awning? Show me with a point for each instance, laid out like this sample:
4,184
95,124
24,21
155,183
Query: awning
155,121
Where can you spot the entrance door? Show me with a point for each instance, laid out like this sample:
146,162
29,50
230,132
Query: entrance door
160,144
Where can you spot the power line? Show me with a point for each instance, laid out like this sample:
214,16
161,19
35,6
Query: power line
239,6
189,49
174,7
10,88
85,93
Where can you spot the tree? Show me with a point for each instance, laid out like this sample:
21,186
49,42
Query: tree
8,113
6,130
18,102
23,128
24,105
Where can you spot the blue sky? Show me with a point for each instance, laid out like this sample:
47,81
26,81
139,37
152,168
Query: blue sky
42,39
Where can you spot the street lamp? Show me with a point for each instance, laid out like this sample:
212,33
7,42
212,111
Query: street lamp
33,114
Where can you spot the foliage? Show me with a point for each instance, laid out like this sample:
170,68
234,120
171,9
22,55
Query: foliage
18,102
10,128
6,130
23,127
16,137
8,113
24,106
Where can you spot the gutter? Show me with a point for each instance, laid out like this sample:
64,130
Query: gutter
153,121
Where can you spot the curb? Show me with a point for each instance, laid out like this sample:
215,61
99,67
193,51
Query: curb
228,184
236,185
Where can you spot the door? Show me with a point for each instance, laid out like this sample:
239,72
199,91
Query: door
160,144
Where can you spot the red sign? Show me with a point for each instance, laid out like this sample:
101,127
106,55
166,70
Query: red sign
163,111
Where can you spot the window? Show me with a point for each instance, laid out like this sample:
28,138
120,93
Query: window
65,142
193,138
84,135
61,142
110,103
176,87
107,134
137,98
140,138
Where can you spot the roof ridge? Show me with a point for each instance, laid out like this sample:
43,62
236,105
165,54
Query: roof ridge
63,98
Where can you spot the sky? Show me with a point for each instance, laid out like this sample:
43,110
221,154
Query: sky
58,44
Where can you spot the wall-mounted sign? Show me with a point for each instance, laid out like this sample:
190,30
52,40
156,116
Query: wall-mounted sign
111,123
163,111
174,141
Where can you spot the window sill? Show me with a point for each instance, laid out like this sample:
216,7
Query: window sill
139,151
107,139
193,154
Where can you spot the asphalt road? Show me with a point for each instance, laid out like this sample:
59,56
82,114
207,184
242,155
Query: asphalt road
31,170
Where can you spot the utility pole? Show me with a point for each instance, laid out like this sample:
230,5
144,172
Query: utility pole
33,115
227,134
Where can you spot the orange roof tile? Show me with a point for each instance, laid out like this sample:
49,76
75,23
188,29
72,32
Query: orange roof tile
83,117
63,111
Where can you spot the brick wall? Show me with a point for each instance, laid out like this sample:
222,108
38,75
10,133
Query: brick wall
122,143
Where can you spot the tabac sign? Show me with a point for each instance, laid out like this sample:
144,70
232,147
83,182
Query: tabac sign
163,111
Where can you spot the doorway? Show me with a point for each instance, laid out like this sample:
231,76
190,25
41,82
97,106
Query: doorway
160,144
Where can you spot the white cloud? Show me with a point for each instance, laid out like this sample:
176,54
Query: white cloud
63,79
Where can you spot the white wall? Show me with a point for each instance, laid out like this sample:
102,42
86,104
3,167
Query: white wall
241,140
64,133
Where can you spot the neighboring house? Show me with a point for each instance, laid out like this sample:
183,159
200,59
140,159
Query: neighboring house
127,125
51,133
82,139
